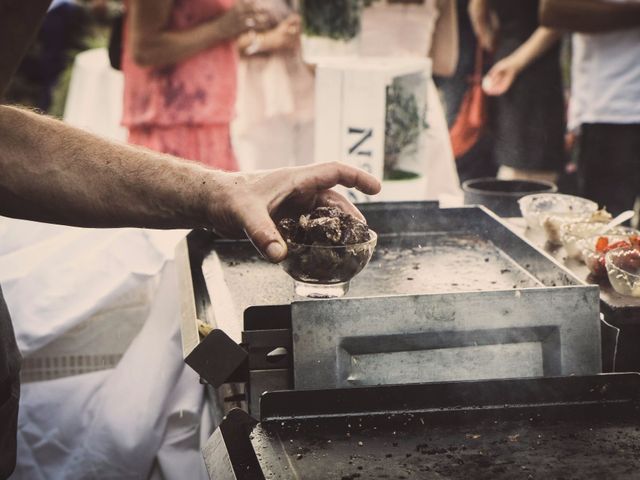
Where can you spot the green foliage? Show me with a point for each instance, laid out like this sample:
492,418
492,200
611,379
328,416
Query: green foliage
404,122
336,19
400,175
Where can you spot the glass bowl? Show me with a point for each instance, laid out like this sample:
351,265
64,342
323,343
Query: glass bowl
324,271
576,237
594,258
623,270
549,211
581,236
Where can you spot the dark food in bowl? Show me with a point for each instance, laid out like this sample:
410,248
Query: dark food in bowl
326,246
325,226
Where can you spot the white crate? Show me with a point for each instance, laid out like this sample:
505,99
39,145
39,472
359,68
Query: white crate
96,344
354,96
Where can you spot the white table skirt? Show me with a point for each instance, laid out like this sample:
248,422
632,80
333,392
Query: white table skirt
138,420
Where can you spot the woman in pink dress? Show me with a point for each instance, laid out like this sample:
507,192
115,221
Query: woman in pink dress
179,63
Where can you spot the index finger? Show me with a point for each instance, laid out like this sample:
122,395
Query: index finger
324,176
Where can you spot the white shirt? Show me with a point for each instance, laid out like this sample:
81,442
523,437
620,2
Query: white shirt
605,78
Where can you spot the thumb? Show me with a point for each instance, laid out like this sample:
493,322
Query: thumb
264,235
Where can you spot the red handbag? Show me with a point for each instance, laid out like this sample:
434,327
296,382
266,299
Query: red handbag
472,116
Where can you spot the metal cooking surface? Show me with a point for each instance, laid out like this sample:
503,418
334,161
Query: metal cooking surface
596,441
410,263
444,284
439,263
580,427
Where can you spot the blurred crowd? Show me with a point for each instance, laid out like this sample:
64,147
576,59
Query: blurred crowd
532,89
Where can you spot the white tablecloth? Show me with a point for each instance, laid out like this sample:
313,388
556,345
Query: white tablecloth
138,420
94,101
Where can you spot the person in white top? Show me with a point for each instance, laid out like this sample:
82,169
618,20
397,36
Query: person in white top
605,95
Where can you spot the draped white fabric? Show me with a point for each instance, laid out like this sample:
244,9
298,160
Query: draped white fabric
138,420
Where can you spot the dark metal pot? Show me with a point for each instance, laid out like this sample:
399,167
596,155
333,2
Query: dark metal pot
502,196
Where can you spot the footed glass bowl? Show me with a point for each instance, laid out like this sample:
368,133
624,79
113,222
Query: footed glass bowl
321,271
623,269
594,259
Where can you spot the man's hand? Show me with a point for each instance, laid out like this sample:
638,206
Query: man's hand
251,202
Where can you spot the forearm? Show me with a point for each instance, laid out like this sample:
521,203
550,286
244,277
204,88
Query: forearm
50,172
589,16
170,47
535,46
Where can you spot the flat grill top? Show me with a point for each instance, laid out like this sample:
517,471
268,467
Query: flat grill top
409,263
578,427
569,442
449,278
571,427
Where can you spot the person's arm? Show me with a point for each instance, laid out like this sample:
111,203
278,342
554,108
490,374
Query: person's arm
444,47
285,36
484,23
19,23
51,172
502,75
153,44
590,16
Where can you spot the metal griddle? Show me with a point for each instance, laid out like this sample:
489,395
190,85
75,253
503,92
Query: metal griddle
421,249
570,427
450,294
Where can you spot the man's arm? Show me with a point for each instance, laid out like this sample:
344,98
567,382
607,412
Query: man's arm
590,16
19,23
51,172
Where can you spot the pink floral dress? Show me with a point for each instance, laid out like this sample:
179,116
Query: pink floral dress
185,109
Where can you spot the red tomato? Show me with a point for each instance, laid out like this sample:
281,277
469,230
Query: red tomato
601,244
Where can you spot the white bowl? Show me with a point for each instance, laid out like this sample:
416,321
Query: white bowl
575,237
535,208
